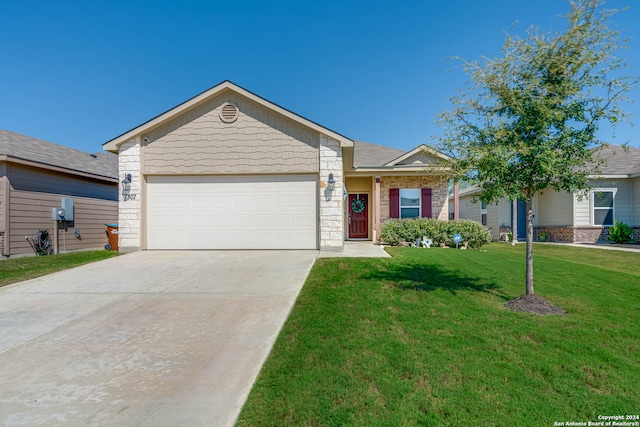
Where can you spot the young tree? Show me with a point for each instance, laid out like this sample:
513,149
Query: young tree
528,119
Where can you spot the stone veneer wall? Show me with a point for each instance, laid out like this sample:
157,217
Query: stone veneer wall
439,193
129,211
578,234
331,217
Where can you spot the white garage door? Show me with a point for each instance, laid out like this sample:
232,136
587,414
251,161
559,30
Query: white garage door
232,212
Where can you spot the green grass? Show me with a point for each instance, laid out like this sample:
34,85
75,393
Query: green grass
18,269
423,338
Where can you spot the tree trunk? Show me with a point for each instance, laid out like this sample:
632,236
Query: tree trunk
529,247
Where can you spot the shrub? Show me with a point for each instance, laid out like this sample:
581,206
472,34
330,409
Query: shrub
397,231
620,232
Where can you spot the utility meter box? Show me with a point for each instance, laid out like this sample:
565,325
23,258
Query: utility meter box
64,212
57,214
67,206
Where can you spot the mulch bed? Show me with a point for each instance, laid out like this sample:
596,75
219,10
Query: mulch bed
533,304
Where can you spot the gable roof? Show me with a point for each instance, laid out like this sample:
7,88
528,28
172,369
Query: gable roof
419,150
618,161
114,144
29,150
373,155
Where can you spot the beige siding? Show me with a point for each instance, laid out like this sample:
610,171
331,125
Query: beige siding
554,208
30,211
259,141
34,192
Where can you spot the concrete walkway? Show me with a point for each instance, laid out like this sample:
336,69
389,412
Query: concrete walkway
357,249
605,247
149,338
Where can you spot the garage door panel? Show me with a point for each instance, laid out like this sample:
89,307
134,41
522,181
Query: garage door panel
241,212
305,220
285,201
240,220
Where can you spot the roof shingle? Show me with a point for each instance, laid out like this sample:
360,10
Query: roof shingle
618,160
367,154
24,147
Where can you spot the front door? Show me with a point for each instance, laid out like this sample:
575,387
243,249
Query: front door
358,216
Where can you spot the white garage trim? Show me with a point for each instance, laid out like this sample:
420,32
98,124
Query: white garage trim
232,212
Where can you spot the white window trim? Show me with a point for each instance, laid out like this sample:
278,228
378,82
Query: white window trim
483,214
410,207
592,207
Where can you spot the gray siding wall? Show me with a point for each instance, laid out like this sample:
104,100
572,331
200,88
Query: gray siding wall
25,178
493,218
582,216
504,213
470,210
554,208
259,141
34,192
623,204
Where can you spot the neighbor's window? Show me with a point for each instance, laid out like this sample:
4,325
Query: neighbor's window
483,213
409,202
603,207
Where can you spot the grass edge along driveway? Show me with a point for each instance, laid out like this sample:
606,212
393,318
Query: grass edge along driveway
14,270
424,339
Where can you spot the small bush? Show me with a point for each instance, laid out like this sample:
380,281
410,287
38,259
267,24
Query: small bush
620,232
397,231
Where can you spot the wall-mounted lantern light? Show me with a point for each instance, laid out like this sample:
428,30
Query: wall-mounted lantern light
331,182
126,184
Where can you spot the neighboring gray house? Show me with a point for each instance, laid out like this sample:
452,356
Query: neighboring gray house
614,195
228,169
35,175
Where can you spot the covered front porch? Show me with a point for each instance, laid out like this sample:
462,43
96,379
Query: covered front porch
370,200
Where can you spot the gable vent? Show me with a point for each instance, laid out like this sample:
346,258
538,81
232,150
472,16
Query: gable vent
229,112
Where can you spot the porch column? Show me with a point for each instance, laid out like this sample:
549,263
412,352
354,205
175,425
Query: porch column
376,236
456,199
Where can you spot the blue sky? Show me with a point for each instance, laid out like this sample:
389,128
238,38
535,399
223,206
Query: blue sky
79,73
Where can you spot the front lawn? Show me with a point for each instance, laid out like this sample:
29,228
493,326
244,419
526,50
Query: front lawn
14,270
423,338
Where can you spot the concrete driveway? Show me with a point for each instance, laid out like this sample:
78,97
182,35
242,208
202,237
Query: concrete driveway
149,338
